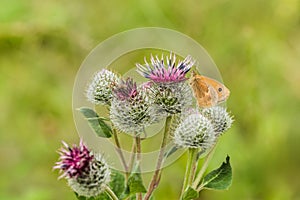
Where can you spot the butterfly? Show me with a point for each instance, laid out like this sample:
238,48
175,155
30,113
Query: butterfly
208,92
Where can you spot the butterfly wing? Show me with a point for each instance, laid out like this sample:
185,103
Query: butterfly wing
204,93
207,91
222,93
213,95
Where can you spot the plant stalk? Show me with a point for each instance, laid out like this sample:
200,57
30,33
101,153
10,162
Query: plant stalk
156,176
111,194
193,167
190,169
132,157
119,151
138,159
204,167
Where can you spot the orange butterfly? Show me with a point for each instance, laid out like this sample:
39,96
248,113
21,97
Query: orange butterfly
207,91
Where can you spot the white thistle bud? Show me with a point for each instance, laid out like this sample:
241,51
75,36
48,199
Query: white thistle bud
131,109
219,117
99,90
195,131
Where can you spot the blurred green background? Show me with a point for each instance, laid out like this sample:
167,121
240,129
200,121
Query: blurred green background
256,45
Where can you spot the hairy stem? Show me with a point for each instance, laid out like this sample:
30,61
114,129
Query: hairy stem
193,167
132,157
190,170
119,151
138,147
204,167
110,193
156,176
138,159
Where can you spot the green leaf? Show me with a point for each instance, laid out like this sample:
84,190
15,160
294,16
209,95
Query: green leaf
103,196
190,193
117,184
96,123
219,179
134,184
79,197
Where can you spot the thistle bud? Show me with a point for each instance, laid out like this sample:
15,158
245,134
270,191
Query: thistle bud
195,131
99,90
131,109
219,117
87,173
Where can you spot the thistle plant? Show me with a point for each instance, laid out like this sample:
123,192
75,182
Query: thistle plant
165,95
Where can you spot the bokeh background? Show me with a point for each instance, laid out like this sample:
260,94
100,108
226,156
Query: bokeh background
256,45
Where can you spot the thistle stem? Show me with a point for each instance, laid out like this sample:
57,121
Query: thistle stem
156,176
138,159
111,194
190,170
132,156
119,150
138,147
204,167
193,167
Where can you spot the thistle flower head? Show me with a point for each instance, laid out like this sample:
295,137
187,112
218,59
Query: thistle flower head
73,160
171,98
127,90
99,90
195,131
219,117
147,85
168,90
132,109
87,173
165,70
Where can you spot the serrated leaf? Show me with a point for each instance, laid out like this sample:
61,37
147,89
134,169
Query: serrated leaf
96,123
219,179
190,193
134,184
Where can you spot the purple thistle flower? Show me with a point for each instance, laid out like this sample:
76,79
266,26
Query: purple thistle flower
168,90
165,70
147,85
126,89
87,173
73,161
